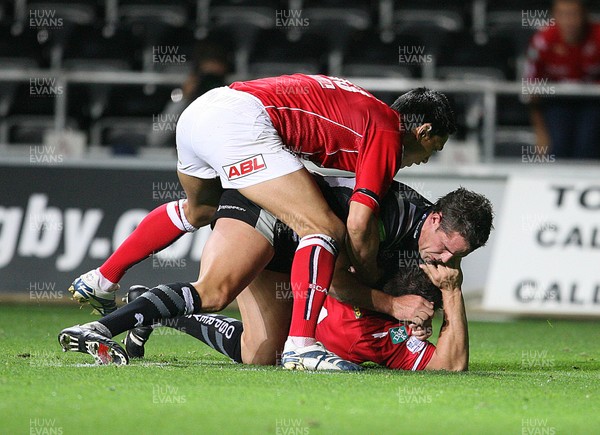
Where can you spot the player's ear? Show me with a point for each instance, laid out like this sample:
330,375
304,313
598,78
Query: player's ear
436,219
424,130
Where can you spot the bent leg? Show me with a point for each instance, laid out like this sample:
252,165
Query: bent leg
296,200
159,229
266,308
202,198
233,255
164,225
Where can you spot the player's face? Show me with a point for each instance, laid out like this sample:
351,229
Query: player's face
436,246
424,145
570,18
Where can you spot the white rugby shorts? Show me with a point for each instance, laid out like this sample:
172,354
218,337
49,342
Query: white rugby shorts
228,133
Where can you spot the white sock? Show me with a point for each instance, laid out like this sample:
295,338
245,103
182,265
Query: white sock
105,284
293,343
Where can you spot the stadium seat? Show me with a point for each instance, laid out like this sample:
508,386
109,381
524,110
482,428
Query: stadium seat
321,17
432,26
64,17
149,21
30,129
512,111
25,45
136,100
505,19
8,89
508,23
4,13
368,56
124,135
26,102
509,141
182,43
88,45
244,22
275,55
491,59
88,101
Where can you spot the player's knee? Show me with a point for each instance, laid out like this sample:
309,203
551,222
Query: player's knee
265,355
336,230
332,227
214,297
339,232
198,215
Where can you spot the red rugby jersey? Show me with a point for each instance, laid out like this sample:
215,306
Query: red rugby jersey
550,57
360,335
335,124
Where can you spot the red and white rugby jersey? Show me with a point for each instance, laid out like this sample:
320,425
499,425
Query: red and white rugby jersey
360,335
335,124
550,57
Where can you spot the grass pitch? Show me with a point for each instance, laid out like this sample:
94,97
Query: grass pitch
526,377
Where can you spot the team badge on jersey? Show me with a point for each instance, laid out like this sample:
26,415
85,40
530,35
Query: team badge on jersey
357,313
398,334
414,344
245,167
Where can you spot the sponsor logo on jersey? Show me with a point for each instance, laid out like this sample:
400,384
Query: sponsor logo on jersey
245,167
357,313
398,334
414,344
318,288
230,207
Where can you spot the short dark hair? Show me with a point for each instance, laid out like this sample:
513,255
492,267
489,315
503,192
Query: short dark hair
468,213
413,281
427,106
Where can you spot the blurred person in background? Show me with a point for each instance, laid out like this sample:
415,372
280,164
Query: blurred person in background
566,51
210,67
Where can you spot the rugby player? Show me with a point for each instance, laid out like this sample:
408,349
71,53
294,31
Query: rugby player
252,136
410,226
353,333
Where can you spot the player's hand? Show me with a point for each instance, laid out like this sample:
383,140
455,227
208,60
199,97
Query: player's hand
413,308
422,332
446,277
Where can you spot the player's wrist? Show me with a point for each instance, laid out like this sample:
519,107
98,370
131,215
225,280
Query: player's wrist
382,302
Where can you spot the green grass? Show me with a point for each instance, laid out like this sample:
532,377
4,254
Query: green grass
529,376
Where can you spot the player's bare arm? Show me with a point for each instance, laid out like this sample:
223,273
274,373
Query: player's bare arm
363,241
452,349
348,289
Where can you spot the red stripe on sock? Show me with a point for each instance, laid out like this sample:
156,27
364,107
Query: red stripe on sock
155,232
312,272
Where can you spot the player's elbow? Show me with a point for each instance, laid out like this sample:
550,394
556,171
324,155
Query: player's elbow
458,364
357,226
449,363
458,367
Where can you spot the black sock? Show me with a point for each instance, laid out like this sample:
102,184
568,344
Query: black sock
221,333
161,302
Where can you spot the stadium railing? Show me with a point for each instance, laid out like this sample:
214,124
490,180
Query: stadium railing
489,89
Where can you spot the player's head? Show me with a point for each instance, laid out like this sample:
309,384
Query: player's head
413,281
427,120
459,223
571,18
